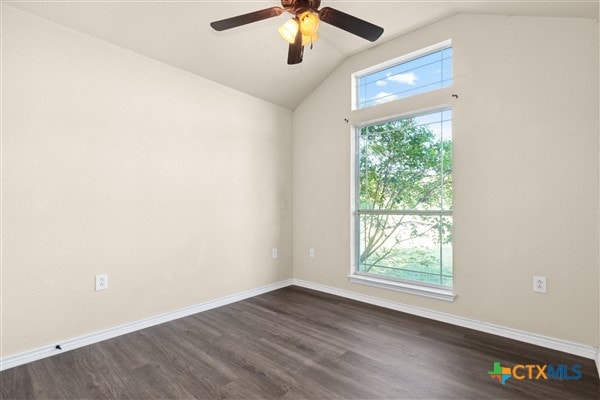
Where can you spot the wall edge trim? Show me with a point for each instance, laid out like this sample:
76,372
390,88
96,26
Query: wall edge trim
39,353
28,356
577,349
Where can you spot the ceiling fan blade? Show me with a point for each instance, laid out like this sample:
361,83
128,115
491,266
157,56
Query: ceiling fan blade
347,22
296,50
244,19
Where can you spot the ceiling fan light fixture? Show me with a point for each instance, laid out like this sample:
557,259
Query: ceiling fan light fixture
309,23
289,30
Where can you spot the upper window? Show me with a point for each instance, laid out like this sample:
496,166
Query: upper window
423,71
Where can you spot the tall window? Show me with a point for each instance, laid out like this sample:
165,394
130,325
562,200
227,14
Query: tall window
420,72
404,199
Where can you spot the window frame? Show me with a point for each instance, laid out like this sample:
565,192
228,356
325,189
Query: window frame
392,63
423,103
427,289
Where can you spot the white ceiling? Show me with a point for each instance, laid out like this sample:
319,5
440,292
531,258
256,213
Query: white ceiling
253,58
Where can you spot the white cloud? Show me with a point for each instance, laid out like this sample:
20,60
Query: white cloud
408,78
381,83
383,97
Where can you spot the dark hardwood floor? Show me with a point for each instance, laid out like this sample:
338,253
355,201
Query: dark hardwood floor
295,343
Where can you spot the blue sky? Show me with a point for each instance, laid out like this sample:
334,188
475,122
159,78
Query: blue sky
429,72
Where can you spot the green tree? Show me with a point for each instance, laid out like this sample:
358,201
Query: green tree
403,166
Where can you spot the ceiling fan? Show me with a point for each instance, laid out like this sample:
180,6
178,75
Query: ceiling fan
302,28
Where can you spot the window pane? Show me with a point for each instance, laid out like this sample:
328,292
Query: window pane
423,74
406,164
404,223
447,71
409,247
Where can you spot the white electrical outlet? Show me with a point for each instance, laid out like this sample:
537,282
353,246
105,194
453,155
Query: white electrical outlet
539,284
101,282
274,252
311,253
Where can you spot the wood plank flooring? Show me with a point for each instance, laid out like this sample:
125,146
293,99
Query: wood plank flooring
295,343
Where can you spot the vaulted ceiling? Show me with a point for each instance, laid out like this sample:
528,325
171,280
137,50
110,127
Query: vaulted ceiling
252,58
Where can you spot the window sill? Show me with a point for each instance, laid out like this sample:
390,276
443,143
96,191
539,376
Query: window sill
434,293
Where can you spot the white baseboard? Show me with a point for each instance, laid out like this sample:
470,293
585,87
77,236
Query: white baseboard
531,338
74,343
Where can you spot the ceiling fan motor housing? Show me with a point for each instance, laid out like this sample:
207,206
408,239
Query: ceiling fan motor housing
299,6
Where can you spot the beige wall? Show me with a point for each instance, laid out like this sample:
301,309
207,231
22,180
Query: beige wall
525,172
178,187
174,186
